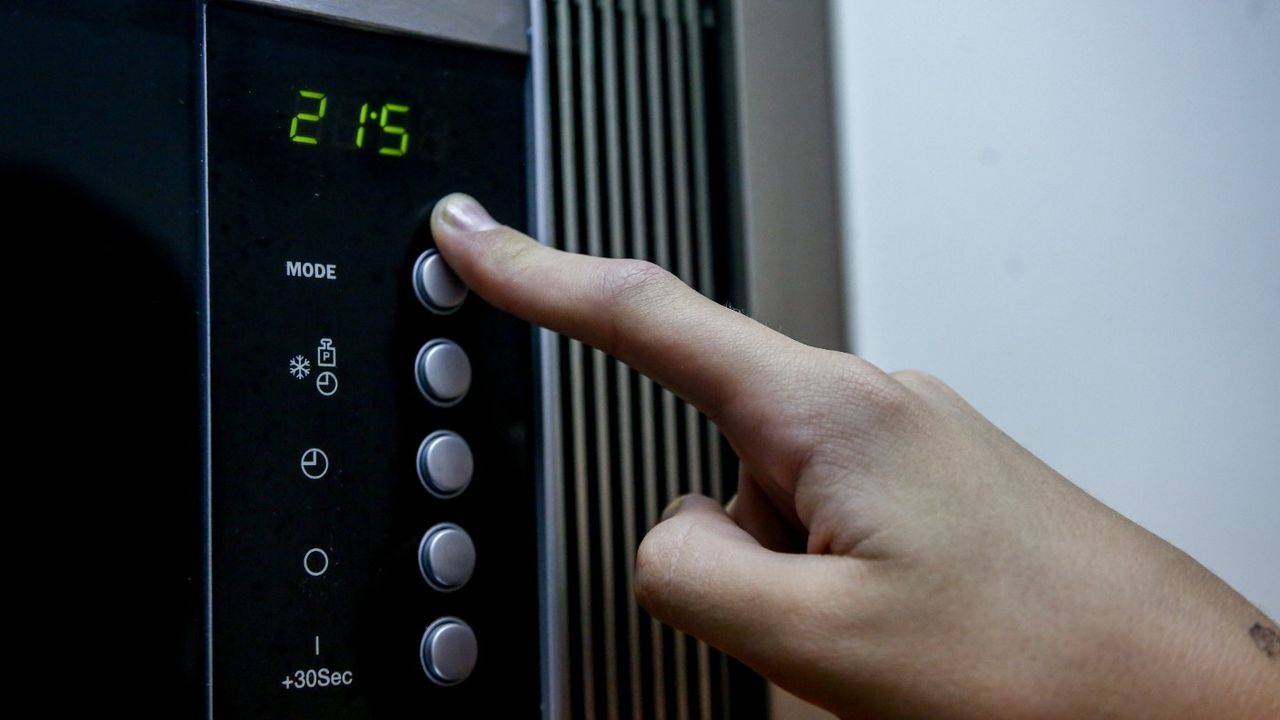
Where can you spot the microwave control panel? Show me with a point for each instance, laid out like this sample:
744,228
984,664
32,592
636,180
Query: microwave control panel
372,503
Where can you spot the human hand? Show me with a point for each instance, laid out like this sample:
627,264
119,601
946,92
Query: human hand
890,552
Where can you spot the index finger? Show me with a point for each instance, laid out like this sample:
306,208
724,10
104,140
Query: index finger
641,314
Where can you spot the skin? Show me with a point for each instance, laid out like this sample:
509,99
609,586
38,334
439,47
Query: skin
890,553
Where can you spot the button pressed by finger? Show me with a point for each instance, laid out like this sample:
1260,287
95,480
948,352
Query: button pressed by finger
435,284
634,310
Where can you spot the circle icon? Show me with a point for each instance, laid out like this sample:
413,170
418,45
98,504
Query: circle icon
315,562
314,463
327,383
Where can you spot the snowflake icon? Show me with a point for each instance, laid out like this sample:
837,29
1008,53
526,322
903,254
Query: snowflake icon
299,367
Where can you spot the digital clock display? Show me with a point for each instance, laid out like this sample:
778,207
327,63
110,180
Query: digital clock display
389,128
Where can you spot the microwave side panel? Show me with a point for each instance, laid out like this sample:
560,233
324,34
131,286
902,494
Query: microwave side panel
99,166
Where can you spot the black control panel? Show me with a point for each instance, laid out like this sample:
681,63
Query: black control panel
373,517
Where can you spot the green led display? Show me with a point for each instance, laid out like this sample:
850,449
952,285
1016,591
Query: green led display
394,130
307,117
389,121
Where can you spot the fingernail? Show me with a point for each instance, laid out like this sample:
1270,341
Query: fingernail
462,213
673,508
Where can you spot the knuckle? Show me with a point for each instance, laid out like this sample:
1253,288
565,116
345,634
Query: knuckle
846,400
922,383
628,289
629,283
866,388
887,403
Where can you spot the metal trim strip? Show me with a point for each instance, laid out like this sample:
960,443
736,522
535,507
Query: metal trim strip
494,24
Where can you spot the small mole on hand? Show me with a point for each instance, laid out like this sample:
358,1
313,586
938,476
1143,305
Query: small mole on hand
1266,638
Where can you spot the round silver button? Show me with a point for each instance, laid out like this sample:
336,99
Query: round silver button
443,372
445,463
434,282
446,557
448,651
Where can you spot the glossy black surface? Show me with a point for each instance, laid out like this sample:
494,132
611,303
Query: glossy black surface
273,201
98,191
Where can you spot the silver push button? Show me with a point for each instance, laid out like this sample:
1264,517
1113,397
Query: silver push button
436,285
448,651
443,372
445,463
446,557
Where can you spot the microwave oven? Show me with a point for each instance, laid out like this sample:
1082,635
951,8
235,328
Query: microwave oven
325,481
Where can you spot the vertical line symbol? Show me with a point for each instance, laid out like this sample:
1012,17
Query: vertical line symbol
317,645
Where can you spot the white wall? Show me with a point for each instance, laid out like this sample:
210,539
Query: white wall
1070,211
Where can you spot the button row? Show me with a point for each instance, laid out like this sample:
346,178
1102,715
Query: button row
446,553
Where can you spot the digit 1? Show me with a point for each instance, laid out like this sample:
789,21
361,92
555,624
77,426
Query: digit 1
364,115
306,117
399,130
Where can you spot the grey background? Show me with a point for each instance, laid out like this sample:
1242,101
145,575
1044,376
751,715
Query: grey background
1070,211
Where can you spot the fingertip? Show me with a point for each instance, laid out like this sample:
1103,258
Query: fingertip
693,504
670,555
459,214
730,506
472,243
687,522
673,507
700,572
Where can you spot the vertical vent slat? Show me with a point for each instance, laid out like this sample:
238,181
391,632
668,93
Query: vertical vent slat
702,210
640,224
555,671
692,27
660,237
683,266
566,200
630,178
617,232
602,481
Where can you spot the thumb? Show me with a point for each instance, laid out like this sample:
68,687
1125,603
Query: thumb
698,571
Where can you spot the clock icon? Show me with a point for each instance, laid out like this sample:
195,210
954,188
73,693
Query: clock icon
327,383
315,464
